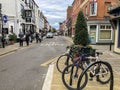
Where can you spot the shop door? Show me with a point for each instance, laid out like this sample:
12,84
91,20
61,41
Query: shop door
93,34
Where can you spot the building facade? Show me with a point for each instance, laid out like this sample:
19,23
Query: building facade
69,21
95,11
22,16
116,23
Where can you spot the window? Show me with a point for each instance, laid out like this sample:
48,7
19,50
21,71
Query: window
102,26
22,11
93,9
28,19
105,34
105,31
28,13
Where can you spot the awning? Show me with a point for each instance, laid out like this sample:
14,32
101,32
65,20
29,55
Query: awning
112,11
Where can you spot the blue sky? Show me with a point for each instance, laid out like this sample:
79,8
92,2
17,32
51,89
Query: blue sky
54,10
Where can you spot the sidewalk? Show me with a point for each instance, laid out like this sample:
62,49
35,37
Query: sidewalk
12,48
109,56
9,48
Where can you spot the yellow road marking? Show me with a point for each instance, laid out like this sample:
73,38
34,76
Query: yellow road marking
49,61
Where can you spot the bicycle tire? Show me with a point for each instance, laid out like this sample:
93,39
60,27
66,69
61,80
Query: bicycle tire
68,78
104,79
98,62
62,62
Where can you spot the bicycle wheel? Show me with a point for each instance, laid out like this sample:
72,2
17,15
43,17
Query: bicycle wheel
104,76
70,79
99,72
63,61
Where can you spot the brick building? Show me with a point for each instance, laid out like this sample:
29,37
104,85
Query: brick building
69,20
95,11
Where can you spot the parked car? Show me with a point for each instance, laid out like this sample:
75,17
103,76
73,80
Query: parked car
49,35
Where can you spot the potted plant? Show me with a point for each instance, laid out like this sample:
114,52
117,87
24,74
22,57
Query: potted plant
12,38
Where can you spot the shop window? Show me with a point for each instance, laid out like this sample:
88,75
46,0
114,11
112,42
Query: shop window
108,27
102,26
105,34
105,31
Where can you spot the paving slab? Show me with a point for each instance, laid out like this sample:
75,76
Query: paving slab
109,56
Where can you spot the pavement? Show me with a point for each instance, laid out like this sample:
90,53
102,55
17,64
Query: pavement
109,56
55,81
11,48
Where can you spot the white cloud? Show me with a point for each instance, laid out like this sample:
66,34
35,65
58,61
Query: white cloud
53,16
54,10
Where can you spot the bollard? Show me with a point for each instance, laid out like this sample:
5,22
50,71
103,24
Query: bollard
110,46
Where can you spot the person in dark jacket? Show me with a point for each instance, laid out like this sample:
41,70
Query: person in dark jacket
21,38
38,37
27,38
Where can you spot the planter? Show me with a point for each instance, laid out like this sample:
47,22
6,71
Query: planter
12,42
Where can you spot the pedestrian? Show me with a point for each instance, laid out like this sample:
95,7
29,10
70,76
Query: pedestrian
0,39
40,38
7,39
27,37
36,37
3,41
21,38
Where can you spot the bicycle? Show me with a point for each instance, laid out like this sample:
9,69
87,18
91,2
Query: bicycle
102,69
67,58
71,73
82,62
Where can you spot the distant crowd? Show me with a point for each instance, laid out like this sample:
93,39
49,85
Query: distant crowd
27,37
22,37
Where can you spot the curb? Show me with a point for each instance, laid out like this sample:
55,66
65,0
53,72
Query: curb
48,78
8,52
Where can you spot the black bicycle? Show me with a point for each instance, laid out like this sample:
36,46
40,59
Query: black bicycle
72,72
67,58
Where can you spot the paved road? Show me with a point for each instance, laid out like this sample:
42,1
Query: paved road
22,70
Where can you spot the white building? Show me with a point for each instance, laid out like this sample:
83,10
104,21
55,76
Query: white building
11,9
37,17
41,21
22,15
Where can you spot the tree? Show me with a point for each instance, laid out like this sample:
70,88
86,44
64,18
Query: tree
81,33
53,30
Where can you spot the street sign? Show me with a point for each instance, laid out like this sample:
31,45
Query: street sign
5,19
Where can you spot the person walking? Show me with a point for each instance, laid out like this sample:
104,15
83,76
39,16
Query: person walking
21,38
27,38
37,37
0,39
7,39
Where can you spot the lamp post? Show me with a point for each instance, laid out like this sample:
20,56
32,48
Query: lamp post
3,37
3,40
